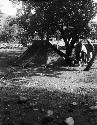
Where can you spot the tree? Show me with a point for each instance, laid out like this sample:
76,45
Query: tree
5,34
70,17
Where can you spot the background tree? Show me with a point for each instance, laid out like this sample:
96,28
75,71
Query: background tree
6,33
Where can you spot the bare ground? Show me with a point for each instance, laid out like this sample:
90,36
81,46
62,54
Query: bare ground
27,94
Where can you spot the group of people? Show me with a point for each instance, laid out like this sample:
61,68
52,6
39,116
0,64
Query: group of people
82,53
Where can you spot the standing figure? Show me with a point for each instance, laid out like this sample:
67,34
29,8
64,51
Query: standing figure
80,53
90,50
83,55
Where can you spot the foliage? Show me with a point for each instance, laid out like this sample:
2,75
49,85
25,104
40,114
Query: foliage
8,32
5,35
55,15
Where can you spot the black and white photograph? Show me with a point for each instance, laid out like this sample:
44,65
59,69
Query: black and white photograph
48,62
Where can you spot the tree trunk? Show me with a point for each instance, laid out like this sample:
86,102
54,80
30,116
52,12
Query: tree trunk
60,53
69,49
67,35
55,49
90,63
64,36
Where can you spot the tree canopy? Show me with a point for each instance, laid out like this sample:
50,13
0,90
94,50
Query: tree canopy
55,15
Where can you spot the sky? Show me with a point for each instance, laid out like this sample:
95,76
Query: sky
8,8
95,0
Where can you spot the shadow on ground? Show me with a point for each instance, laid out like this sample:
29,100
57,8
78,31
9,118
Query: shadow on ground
39,101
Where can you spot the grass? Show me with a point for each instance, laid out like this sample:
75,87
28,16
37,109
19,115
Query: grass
27,94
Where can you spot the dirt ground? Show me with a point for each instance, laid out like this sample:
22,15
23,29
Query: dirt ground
30,95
